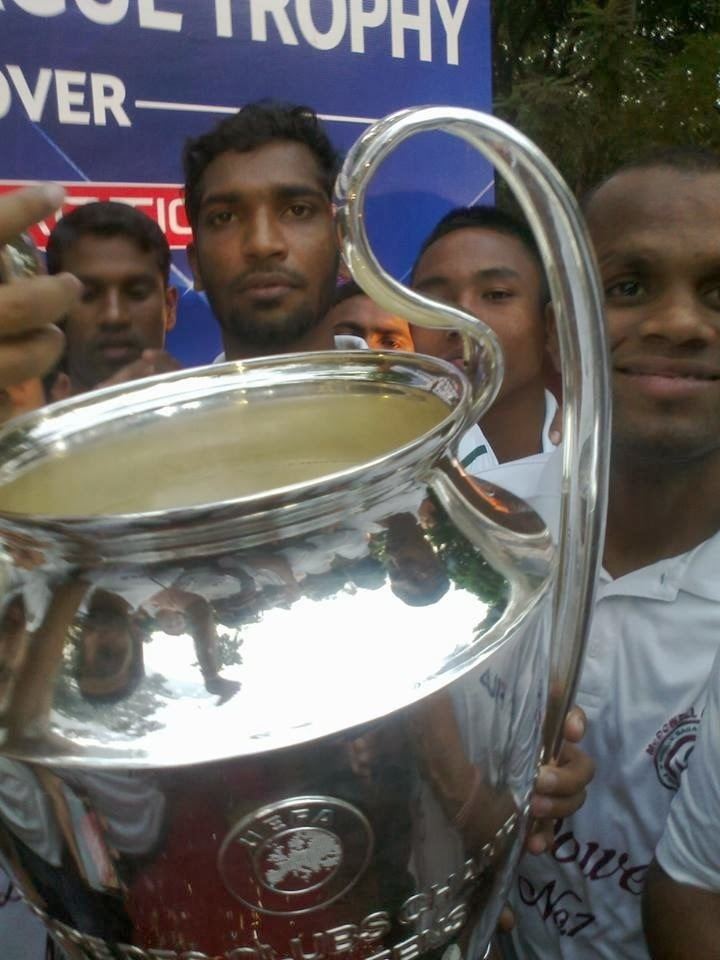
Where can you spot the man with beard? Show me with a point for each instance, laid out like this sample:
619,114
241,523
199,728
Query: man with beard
117,331
258,196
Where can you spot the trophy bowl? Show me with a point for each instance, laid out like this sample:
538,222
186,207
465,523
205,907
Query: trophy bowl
275,670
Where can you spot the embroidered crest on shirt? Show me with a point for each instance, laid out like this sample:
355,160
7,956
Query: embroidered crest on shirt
672,746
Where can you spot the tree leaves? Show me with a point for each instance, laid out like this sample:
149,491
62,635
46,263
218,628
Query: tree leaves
595,83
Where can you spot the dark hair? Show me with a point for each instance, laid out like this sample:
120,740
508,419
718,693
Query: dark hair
256,125
683,159
480,218
107,218
347,291
485,217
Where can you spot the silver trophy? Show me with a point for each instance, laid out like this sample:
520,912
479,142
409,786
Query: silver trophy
276,675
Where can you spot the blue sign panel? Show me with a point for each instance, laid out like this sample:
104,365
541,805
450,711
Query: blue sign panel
102,94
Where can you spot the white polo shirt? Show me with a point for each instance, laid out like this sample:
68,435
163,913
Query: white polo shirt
654,637
476,455
689,849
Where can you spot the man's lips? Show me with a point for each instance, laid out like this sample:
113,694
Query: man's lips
669,378
266,286
119,349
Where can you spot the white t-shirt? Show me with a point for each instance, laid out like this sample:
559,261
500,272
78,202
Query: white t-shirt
654,637
689,849
476,455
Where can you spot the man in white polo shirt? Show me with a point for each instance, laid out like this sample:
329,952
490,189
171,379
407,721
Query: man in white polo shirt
682,896
656,230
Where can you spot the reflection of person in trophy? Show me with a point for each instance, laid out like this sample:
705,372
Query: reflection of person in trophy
486,262
417,575
110,646
177,612
124,606
117,331
258,195
14,642
355,314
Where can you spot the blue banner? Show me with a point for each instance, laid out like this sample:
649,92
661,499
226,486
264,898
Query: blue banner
102,94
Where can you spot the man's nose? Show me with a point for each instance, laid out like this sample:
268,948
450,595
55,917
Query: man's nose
467,301
113,309
682,318
452,335
264,237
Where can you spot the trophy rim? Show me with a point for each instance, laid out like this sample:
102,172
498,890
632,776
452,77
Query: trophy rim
26,442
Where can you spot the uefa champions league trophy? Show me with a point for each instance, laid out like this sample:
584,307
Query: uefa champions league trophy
274,670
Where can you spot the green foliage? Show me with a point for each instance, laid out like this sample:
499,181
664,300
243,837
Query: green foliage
596,83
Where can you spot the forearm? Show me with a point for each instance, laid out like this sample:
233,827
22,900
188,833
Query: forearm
681,922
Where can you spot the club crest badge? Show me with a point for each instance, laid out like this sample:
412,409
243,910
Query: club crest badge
672,747
297,855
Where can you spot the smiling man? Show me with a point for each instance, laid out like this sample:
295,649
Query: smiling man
655,226
116,332
258,189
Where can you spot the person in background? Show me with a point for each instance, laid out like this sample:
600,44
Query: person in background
258,195
116,332
485,262
355,314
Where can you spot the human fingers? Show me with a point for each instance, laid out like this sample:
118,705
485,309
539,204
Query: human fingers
22,208
28,356
151,362
160,361
507,920
560,789
28,305
575,725
555,431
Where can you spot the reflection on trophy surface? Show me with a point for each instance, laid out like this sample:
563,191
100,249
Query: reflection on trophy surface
287,700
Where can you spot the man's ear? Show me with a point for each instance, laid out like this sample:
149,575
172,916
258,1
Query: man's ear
171,301
194,266
552,344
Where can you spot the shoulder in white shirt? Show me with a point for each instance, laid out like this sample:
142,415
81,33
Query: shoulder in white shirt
689,849
476,455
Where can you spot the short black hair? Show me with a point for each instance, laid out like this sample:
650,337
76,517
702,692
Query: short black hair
485,217
253,126
347,291
108,218
684,159
482,217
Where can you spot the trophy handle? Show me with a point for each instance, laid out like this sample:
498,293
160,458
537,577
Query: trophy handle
569,263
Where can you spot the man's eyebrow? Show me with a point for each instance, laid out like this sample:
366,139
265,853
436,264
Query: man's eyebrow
628,259
89,278
284,191
292,191
488,273
497,273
